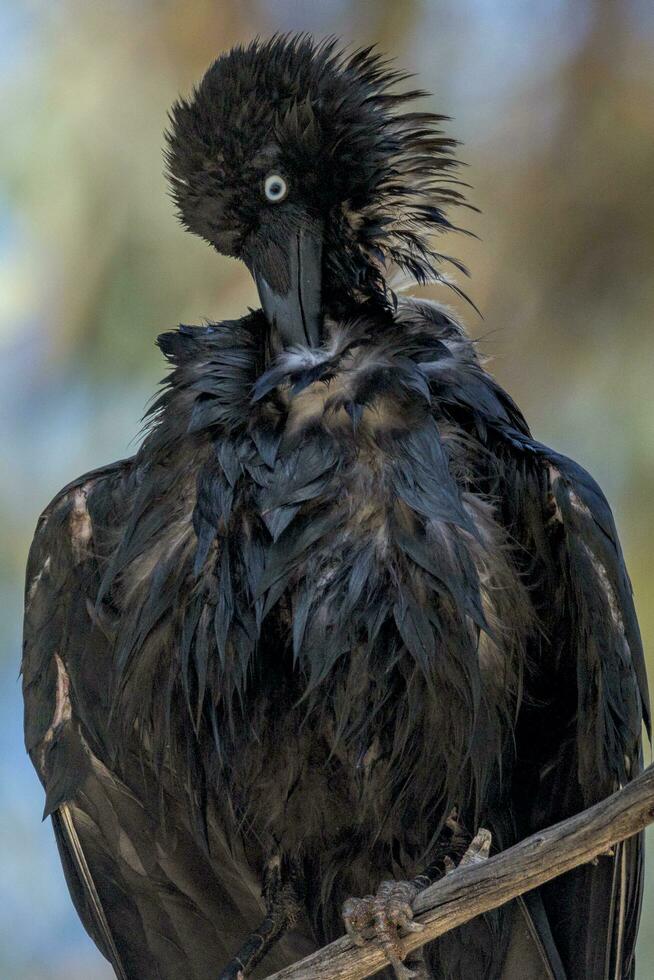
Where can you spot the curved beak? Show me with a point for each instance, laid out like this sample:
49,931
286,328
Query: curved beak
295,312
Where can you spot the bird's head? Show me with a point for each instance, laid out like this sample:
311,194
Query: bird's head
300,159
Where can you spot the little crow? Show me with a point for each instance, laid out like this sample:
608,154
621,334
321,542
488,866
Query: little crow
341,610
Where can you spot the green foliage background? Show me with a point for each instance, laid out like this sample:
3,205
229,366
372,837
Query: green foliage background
554,100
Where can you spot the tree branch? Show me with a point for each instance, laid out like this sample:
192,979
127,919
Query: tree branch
467,892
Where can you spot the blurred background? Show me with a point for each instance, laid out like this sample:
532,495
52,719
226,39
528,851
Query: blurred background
554,100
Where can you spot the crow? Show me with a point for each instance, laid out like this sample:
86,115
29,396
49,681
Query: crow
341,610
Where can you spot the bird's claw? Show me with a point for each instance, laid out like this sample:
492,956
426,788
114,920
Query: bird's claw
477,852
385,913
478,849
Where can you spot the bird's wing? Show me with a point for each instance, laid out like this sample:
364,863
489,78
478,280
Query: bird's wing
157,901
62,650
580,735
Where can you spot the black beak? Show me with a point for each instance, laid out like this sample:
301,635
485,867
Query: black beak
295,314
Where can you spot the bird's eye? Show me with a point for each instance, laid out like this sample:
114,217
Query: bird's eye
275,188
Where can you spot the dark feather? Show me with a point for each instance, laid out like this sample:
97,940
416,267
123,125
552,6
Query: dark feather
339,591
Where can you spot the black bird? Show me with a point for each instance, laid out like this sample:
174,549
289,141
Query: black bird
341,609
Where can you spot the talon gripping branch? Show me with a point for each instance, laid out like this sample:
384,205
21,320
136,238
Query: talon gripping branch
341,609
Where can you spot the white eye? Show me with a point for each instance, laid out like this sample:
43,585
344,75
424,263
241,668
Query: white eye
275,188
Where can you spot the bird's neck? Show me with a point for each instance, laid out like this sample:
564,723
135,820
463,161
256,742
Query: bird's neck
338,310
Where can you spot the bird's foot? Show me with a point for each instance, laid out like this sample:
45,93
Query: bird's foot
477,851
283,907
386,913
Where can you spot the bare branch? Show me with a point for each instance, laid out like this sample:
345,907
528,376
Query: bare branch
469,891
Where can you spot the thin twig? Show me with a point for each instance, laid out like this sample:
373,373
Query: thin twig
469,891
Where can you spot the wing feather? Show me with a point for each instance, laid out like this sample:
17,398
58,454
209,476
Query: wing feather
596,660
